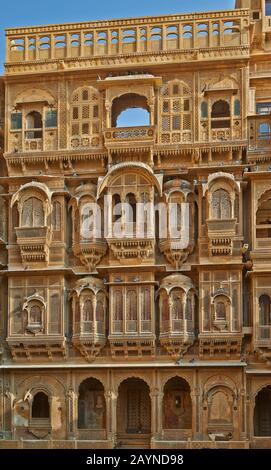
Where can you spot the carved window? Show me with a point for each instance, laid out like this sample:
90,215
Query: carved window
56,216
34,125
87,221
85,113
40,406
35,315
100,313
33,213
265,310
88,310
176,113
177,305
189,309
118,306
131,305
146,305
220,311
221,115
263,217
221,205
165,310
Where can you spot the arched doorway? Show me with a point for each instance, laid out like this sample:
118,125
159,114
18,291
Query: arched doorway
262,413
177,409
91,410
134,413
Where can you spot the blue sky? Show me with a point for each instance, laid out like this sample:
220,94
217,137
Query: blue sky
33,12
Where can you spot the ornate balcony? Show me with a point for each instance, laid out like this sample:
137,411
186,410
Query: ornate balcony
34,243
177,336
89,310
131,138
221,234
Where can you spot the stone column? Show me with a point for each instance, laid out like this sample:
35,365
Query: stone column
113,398
71,403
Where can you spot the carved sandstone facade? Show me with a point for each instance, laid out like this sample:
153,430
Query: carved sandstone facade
140,339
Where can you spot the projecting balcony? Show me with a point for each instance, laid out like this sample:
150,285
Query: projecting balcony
133,246
138,138
34,243
221,234
132,338
177,335
89,337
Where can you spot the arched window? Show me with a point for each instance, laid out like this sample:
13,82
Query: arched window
56,216
34,125
220,311
100,317
130,110
116,208
263,216
131,200
221,205
118,306
91,405
88,310
221,115
146,305
131,305
177,405
35,315
32,213
265,310
87,221
40,406
262,413
177,305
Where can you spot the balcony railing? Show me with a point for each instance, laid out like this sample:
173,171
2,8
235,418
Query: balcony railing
177,326
133,35
131,327
138,135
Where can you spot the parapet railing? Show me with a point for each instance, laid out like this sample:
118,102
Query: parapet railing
128,36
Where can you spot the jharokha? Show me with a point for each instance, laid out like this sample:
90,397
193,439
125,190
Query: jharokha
114,331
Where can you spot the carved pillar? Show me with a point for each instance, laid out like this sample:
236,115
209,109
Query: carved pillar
71,403
153,397
159,405
194,396
113,398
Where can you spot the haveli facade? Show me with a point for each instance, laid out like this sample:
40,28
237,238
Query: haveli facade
137,341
